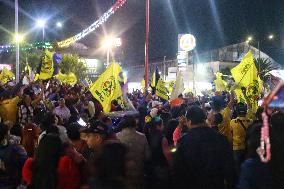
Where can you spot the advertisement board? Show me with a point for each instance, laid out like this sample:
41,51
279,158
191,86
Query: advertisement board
8,66
186,42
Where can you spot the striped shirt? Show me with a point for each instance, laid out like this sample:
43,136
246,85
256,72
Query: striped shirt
25,115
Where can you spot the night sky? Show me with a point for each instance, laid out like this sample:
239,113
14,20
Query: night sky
215,23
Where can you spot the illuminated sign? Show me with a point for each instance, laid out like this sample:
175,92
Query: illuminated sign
8,66
187,42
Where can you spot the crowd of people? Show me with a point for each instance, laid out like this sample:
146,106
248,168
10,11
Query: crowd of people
57,136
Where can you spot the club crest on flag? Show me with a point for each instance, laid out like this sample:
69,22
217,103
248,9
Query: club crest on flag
253,90
108,86
245,68
46,68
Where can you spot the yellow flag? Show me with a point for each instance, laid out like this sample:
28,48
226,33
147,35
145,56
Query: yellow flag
170,85
8,109
153,82
178,87
239,95
6,75
36,77
220,84
143,84
46,70
107,87
28,69
60,76
245,75
70,78
161,90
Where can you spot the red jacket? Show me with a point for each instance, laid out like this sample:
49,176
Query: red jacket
68,173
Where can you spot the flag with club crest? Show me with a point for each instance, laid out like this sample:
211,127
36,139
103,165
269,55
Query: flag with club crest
107,87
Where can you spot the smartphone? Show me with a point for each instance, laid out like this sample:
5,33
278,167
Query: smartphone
82,122
277,100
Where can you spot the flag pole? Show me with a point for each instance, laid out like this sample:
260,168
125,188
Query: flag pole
147,44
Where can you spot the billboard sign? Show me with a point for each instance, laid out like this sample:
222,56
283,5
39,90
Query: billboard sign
8,66
187,42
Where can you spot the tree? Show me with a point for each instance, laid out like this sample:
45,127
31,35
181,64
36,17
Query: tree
72,63
32,58
264,66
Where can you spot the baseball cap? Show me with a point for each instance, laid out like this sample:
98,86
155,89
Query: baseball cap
96,127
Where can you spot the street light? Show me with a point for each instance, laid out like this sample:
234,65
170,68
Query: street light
249,39
107,43
18,38
59,25
40,23
110,42
270,36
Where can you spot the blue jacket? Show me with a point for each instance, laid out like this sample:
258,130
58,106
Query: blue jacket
255,175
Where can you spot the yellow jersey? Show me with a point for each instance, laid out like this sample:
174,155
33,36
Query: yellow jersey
238,128
9,109
224,127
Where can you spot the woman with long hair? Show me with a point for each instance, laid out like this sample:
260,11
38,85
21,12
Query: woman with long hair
50,169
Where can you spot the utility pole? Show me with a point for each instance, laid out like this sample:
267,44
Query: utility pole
17,42
147,44
164,64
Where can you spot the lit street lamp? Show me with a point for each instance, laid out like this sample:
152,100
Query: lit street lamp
109,43
40,23
249,39
18,38
59,25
